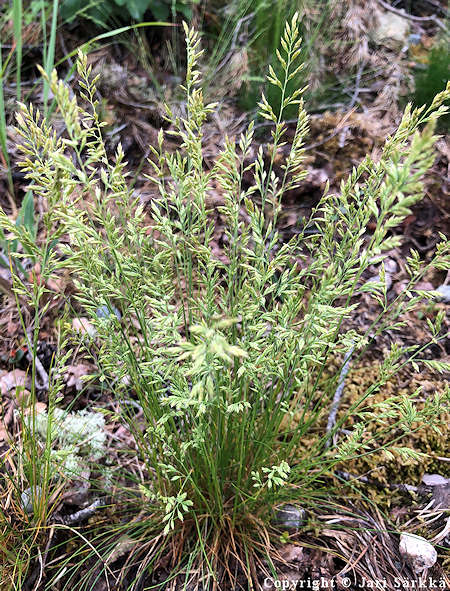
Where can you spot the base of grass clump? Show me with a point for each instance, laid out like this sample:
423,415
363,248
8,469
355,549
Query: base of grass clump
134,554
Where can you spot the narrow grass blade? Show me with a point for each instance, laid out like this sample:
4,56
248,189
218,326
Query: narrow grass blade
3,130
87,45
49,58
17,26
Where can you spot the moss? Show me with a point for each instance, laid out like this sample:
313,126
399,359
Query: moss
433,78
380,466
421,438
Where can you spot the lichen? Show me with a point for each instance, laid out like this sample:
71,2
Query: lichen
77,439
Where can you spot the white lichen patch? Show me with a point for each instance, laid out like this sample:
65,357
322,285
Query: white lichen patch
77,438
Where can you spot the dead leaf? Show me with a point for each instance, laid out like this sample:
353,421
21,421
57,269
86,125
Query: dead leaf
292,553
23,397
75,373
57,285
13,380
83,326
77,493
424,286
317,176
38,408
6,281
124,545
4,436
12,328
441,496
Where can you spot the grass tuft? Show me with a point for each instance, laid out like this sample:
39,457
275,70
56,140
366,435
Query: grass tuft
224,356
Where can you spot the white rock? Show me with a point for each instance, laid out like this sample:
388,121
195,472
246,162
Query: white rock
444,291
376,279
434,480
417,552
392,29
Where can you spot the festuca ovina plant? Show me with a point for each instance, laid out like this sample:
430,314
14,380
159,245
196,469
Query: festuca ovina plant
225,354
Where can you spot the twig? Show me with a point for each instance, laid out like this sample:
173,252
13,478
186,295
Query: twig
435,4
357,83
41,571
403,487
13,205
133,403
48,545
443,534
237,28
63,46
338,394
39,367
83,514
412,17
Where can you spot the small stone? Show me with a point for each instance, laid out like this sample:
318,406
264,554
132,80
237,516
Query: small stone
434,480
444,291
27,498
376,279
414,39
390,266
392,30
105,312
290,517
417,552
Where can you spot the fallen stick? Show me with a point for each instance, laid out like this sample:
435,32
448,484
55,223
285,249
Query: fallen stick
412,17
402,487
83,514
338,394
39,367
